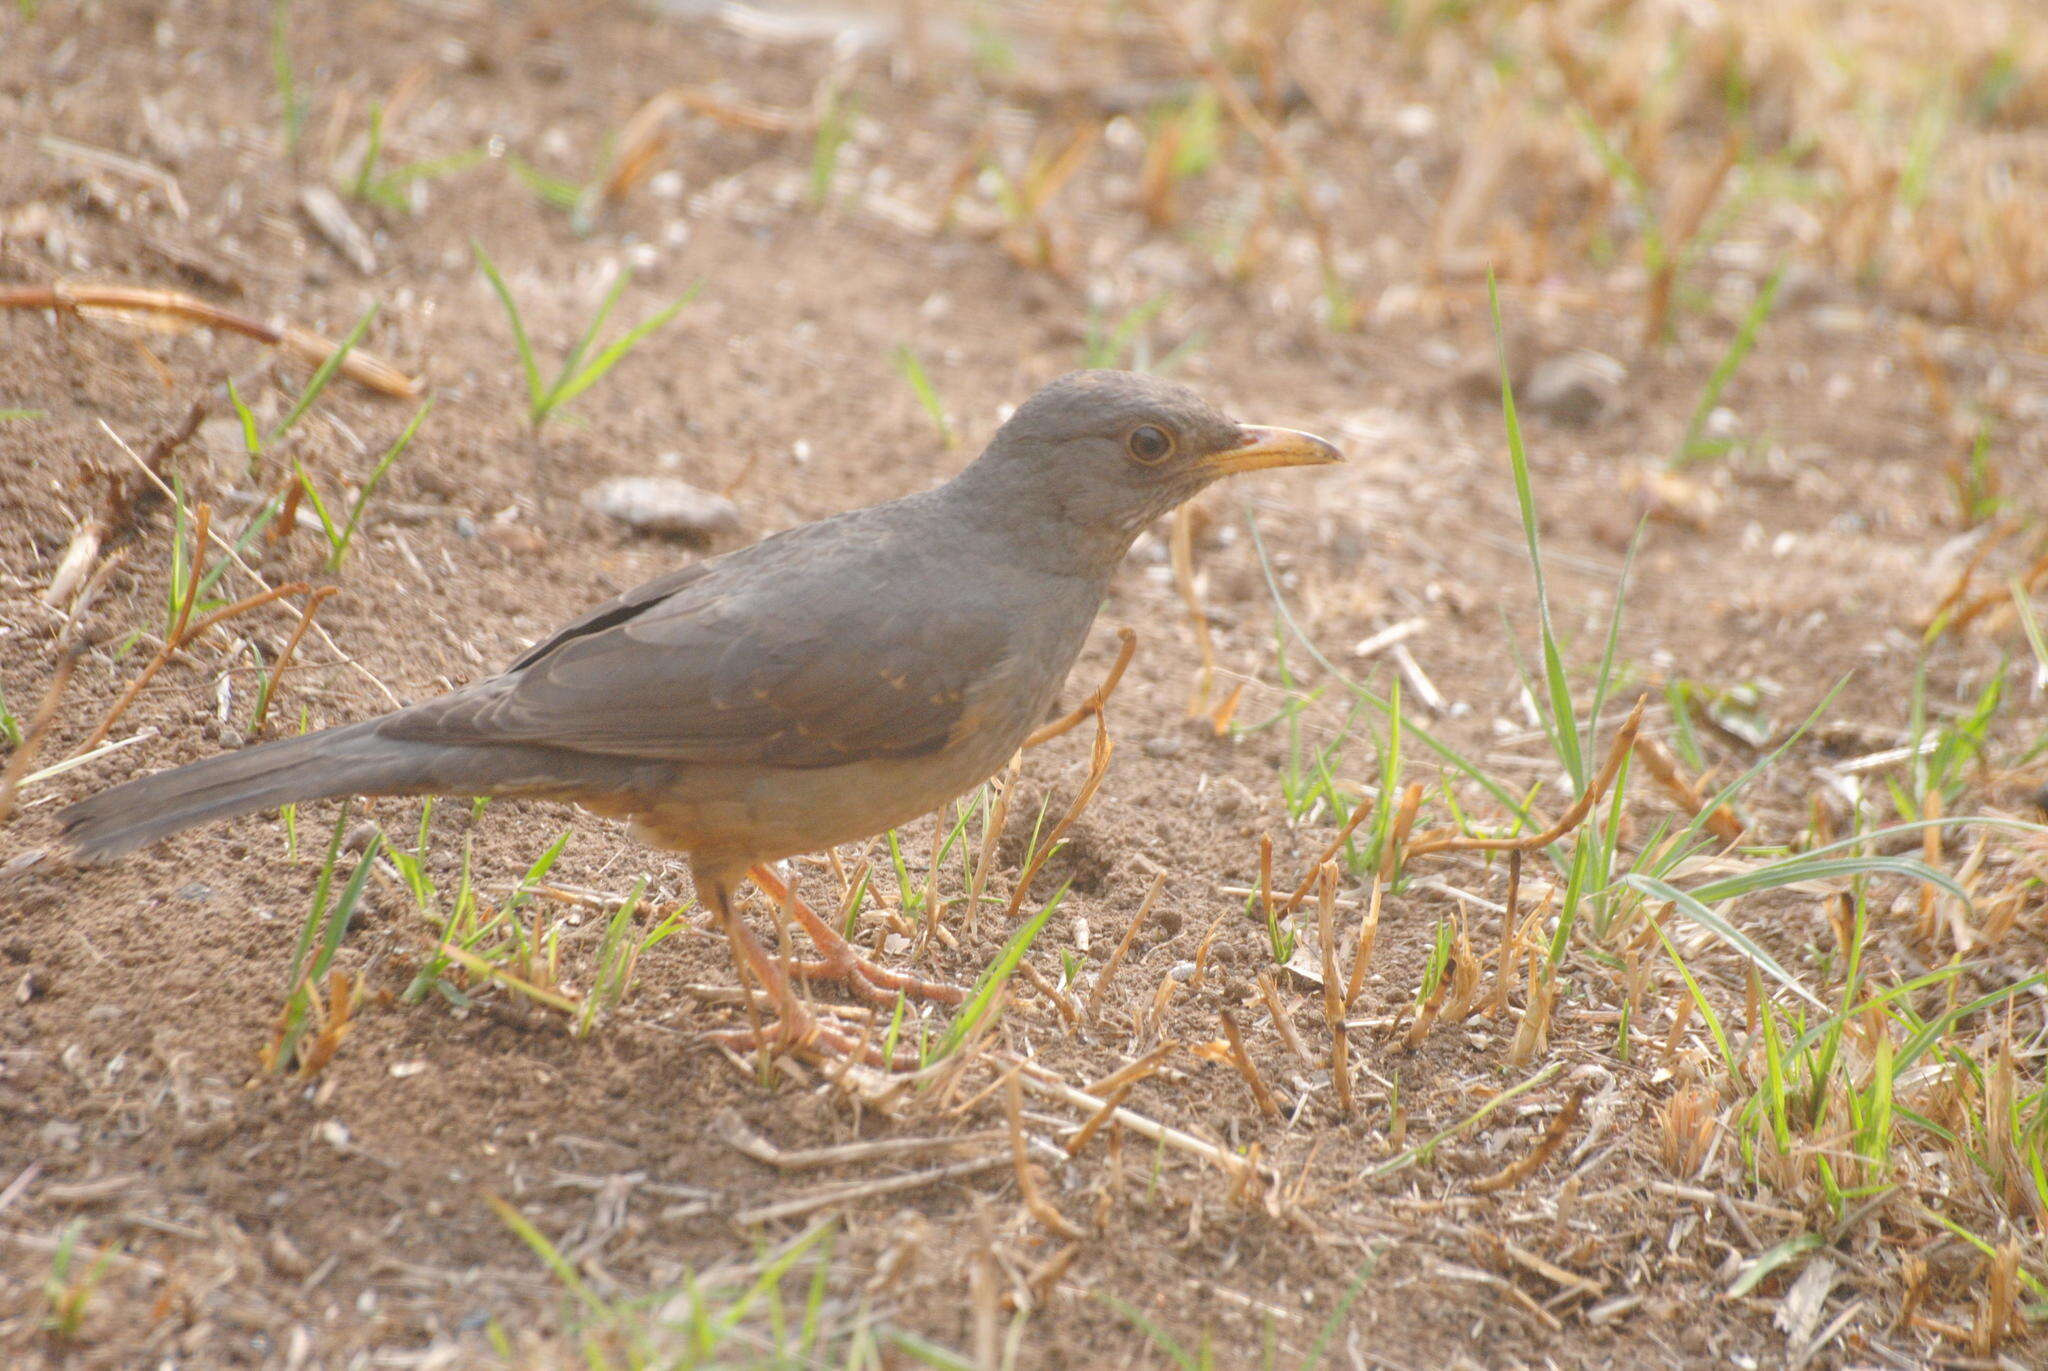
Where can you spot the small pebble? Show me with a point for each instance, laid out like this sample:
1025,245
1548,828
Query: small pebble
1577,387
666,507
1162,748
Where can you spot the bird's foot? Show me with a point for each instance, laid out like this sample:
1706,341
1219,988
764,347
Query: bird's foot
805,1034
842,963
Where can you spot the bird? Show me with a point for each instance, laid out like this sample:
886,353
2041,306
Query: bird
817,687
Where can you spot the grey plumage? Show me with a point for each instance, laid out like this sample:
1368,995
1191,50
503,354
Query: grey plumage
818,686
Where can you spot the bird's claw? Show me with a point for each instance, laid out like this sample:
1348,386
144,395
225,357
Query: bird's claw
843,964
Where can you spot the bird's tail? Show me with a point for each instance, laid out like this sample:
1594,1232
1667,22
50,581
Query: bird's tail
351,760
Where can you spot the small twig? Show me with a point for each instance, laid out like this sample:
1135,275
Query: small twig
1267,1104
1426,1015
1451,841
1135,1071
1519,1170
1503,972
234,555
1429,1144
861,1190
1087,1131
2030,580
1664,769
735,1134
87,758
1093,705
743,114
1960,587
73,297
1269,991
1358,816
291,644
933,905
992,832
1116,958
1219,721
1039,1082
1398,831
1182,547
1681,225
135,167
119,507
1368,931
1266,878
178,639
1060,1000
1333,999
1020,1155
32,736
1098,768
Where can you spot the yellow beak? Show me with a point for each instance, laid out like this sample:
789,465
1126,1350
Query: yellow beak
1272,447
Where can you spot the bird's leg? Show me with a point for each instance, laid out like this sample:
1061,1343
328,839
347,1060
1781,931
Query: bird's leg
842,962
796,1026
797,1029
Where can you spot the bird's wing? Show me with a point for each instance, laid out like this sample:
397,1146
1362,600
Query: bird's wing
798,661
615,611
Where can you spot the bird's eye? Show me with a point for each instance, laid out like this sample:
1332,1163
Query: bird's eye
1149,443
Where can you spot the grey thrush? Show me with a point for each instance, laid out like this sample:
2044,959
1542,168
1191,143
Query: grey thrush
815,688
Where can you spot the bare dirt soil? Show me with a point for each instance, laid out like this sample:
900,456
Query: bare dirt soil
342,1218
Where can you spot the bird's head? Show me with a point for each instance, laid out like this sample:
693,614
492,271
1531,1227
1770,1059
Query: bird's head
1104,453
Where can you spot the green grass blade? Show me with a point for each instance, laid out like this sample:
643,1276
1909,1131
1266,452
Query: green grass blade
1692,906
996,977
1699,999
552,190
527,364
1770,1259
321,887
612,355
322,374
391,454
252,437
1806,867
1508,800
1320,1348
1563,718
1603,681
1690,448
574,358
1158,1336
1470,1121
913,371
319,505
293,108
564,1269
372,149
345,907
